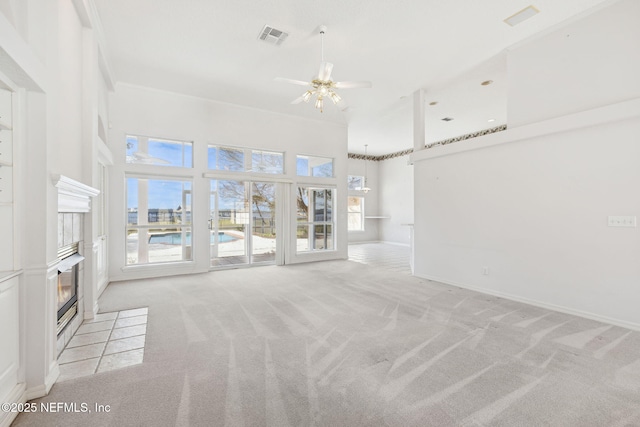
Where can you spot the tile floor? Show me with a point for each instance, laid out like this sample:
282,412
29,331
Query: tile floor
108,341
391,257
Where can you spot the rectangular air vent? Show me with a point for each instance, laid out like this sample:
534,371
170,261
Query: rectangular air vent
272,35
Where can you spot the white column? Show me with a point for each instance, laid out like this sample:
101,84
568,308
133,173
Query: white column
90,171
419,140
39,255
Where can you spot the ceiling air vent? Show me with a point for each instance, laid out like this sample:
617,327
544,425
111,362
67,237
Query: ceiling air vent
447,119
272,36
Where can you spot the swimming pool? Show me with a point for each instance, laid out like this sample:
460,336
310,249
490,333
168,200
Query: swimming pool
176,238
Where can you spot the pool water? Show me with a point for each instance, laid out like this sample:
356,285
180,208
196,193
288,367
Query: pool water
176,238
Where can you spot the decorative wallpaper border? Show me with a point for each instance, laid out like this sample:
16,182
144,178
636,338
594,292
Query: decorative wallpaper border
428,146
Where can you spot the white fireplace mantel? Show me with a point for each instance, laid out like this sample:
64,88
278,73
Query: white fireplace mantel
73,196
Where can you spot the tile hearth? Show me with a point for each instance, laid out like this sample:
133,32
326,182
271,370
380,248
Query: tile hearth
107,342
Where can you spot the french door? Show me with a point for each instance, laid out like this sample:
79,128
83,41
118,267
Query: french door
242,222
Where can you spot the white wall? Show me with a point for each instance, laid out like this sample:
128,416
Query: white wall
586,64
16,14
140,111
391,195
371,204
396,199
534,211
67,94
46,65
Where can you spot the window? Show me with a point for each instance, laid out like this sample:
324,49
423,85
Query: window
158,220
159,152
355,182
267,162
315,221
355,213
245,160
226,158
314,166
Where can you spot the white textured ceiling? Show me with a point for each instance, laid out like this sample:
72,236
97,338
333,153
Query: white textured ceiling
210,48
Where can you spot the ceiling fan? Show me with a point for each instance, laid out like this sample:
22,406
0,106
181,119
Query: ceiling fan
322,86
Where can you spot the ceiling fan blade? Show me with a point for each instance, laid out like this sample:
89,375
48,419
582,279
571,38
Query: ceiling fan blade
325,71
293,82
352,85
298,100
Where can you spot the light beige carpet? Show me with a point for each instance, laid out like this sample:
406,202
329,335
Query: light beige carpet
346,344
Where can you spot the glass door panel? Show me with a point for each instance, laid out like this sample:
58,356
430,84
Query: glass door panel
263,219
229,223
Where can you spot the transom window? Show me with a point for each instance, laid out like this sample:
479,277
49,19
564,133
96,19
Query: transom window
160,152
267,162
314,166
226,158
245,160
355,182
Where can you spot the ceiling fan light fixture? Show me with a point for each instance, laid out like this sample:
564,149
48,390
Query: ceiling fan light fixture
307,96
322,86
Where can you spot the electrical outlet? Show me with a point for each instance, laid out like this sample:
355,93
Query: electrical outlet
485,271
621,221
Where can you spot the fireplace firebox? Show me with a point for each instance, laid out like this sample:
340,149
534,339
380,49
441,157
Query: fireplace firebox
68,272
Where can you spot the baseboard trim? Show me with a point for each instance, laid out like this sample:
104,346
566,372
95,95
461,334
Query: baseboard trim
17,395
54,373
364,242
90,314
42,390
36,392
541,304
386,242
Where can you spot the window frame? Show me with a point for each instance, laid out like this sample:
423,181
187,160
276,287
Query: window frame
349,180
310,175
312,223
361,214
143,141
185,228
247,159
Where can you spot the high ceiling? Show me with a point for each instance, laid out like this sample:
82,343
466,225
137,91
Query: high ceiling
210,49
